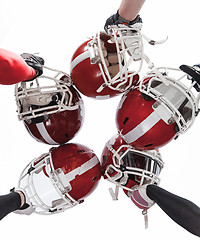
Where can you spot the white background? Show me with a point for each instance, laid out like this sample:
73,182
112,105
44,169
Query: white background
55,29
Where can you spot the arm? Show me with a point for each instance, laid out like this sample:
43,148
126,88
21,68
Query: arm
182,211
129,9
10,203
15,201
126,16
15,68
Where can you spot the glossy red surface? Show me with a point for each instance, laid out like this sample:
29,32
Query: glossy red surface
61,126
71,156
132,110
106,157
88,77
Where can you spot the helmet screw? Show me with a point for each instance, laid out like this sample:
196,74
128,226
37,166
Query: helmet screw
59,170
171,120
155,105
122,168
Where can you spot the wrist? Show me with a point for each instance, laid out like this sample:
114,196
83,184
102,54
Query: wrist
23,199
127,19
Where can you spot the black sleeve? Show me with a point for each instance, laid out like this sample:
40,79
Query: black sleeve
182,211
9,203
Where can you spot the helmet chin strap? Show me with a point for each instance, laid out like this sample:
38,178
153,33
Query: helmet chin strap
139,197
155,70
114,194
146,220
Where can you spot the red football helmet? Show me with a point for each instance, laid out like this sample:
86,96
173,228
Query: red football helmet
157,112
129,168
50,107
60,179
102,67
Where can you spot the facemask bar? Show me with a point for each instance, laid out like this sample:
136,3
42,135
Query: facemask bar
174,99
130,48
153,167
41,90
125,59
59,186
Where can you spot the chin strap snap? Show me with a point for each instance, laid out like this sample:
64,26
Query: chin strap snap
145,214
114,194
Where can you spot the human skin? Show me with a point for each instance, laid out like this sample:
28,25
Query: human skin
129,9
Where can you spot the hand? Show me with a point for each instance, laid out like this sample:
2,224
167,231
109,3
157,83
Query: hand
117,20
35,62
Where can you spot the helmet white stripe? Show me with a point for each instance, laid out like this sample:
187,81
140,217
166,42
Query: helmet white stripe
41,128
142,128
79,59
103,97
82,169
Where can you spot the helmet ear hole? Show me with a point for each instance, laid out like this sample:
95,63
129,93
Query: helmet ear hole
56,97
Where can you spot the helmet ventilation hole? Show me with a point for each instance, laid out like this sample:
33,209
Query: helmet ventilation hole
148,145
80,151
125,120
66,135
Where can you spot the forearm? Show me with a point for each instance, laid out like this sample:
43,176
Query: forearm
9,203
129,9
13,68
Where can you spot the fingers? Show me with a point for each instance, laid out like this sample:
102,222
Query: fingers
111,61
113,58
113,70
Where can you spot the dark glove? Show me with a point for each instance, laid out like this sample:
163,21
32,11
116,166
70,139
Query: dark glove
35,62
193,74
117,20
